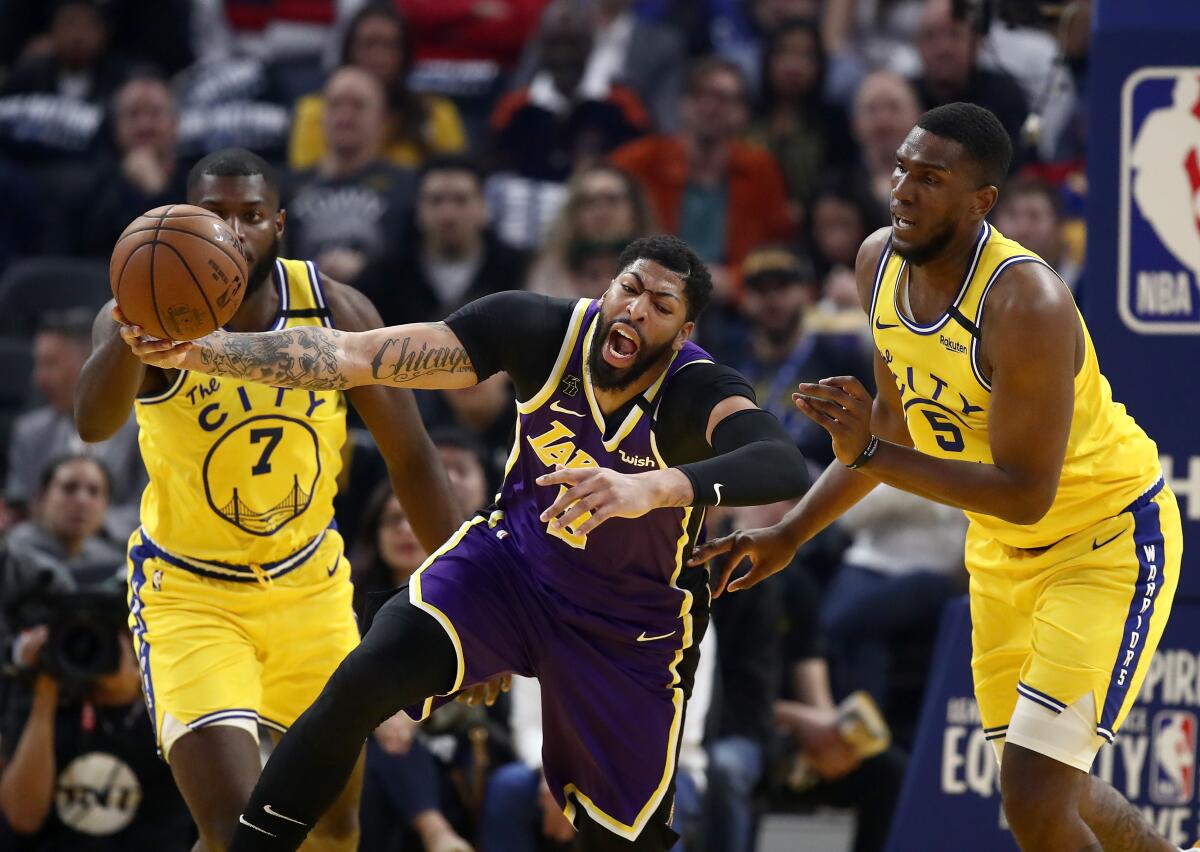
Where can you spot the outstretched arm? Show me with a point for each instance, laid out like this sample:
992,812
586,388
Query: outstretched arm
422,355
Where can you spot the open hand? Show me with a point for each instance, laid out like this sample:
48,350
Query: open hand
165,354
769,550
842,407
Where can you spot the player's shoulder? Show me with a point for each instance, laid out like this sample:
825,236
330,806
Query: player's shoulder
1028,290
867,261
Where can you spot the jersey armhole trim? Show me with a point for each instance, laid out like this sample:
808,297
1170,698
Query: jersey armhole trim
163,396
560,363
879,267
984,382
314,280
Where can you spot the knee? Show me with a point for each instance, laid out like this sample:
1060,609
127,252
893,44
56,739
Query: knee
216,833
1033,807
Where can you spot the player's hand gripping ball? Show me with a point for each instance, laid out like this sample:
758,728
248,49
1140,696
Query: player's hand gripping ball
178,272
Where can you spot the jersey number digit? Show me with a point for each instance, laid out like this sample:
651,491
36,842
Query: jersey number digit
272,436
949,437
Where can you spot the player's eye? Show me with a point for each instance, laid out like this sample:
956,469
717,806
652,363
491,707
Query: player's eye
931,180
663,309
628,289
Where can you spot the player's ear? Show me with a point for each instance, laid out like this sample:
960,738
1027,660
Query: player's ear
685,331
984,200
280,221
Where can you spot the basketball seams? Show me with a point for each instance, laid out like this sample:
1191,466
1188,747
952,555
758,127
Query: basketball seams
203,295
231,254
121,274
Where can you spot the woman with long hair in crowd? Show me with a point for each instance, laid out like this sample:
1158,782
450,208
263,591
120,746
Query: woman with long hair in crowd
605,209
377,40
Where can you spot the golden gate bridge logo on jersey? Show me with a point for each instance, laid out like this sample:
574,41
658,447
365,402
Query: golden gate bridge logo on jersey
1158,281
250,474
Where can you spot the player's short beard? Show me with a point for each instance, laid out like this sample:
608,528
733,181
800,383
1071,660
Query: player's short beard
932,248
263,267
607,377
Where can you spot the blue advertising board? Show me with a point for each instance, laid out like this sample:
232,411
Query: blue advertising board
1142,279
951,800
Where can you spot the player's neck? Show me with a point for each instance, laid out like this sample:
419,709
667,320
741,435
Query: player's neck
258,309
613,399
943,275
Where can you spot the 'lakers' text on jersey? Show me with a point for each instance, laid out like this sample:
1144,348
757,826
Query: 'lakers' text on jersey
244,473
1109,461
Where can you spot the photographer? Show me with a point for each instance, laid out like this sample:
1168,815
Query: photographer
78,769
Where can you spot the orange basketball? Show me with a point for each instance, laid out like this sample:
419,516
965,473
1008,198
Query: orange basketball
178,271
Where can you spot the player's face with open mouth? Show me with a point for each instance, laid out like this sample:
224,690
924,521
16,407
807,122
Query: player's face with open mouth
932,187
643,320
251,209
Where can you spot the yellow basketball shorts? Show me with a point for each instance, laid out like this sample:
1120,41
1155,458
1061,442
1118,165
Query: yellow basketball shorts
1082,615
235,645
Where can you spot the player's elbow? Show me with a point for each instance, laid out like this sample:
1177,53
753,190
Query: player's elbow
1031,505
91,425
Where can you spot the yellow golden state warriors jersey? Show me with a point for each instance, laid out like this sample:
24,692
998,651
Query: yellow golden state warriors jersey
1109,462
242,473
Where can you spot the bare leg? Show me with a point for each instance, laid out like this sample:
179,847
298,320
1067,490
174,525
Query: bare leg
1119,826
1042,800
215,769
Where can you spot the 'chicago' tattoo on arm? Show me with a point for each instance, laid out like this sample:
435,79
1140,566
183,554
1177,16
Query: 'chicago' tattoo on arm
400,360
305,358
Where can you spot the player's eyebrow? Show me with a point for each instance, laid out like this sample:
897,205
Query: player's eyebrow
656,293
924,164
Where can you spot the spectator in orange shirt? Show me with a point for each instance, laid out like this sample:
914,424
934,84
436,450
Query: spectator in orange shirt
720,194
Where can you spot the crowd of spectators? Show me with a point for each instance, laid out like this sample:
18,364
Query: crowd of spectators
436,151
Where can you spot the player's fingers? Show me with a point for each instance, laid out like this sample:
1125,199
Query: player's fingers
119,315
493,691
585,504
567,476
851,386
598,517
830,393
506,683
816,415
564,502
709,549
750,578
735,558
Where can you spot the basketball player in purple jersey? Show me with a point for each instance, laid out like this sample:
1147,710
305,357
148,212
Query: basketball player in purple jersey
626,432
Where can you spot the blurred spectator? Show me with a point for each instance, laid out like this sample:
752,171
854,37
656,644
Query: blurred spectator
904,563
604,210
83,774
76,63
949,50
60,347
720,194
378,39
348,206
885,110
466,467
807,134
67,518
741,725
452,258
864,35
401,781
842,214
562,119
834,774
147,173
520,814
628,51
777,350
1030,212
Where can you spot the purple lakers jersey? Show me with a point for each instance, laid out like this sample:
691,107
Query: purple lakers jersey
626,566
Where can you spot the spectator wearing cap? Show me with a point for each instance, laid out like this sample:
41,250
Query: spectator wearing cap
60,347
776,351
720,194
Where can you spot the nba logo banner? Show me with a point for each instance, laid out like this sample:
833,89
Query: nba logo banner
1158,289
1173,781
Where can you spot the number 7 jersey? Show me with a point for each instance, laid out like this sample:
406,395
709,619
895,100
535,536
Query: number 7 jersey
244,473
946,397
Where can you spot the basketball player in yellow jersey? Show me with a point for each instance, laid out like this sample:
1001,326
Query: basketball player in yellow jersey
990,399
240,595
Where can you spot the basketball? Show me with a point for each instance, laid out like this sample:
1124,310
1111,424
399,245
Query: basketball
178,271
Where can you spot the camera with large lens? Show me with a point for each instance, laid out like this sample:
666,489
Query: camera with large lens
83,628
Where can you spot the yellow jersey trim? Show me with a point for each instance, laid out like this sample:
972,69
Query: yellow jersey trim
414,595
560,363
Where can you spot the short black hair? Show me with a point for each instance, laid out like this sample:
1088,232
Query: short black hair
72,323
52,466
232,162
451,163
675,256
979,132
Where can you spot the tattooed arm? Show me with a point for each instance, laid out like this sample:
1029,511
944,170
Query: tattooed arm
425,355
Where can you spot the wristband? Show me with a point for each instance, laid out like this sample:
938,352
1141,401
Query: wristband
866,454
